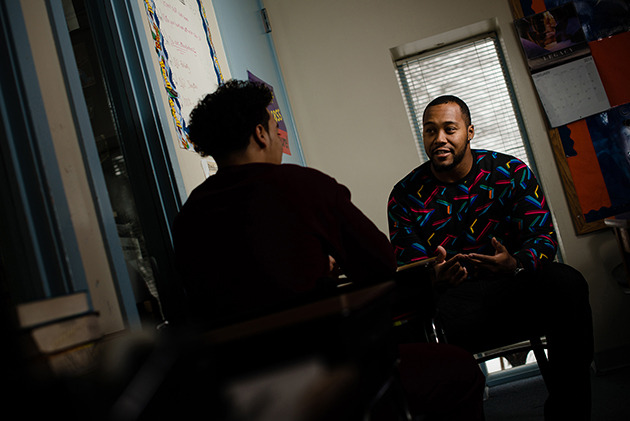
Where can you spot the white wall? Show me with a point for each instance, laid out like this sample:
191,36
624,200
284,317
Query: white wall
353,125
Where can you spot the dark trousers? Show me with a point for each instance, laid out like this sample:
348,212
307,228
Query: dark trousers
484,314
442,382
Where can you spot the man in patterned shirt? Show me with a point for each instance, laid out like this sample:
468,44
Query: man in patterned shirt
485,217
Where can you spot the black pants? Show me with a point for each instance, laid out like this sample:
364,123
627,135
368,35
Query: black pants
485,314
442,382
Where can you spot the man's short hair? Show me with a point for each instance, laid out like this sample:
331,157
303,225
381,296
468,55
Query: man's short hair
451,99
222,122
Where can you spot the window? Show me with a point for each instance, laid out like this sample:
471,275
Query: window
473,70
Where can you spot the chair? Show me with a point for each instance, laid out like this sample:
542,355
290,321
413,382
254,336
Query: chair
535,344
349,329
347,334
414,287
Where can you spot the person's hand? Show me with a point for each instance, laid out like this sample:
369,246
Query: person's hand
449,273
500,263
334,271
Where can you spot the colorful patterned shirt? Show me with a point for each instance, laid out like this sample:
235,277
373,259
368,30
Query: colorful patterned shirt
500,197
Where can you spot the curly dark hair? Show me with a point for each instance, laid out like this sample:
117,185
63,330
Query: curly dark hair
223,121
450,99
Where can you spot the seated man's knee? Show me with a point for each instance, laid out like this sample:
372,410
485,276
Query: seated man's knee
566,293
566,278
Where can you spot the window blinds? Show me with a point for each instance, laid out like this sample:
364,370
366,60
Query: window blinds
475,72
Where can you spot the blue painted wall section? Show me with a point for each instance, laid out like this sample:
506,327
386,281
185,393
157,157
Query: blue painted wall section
249,48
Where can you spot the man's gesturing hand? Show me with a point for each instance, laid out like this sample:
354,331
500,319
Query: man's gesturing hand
500,263
450,272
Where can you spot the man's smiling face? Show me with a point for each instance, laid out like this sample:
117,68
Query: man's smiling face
447,138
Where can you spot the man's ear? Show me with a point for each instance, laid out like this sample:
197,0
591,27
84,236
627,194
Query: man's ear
471,132
261,137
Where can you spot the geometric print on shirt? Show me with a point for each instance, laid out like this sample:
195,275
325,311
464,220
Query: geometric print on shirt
499,197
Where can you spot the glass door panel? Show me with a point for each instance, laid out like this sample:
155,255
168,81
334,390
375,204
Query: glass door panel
109,141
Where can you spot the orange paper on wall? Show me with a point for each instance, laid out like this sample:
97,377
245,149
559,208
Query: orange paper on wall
585,170
612,58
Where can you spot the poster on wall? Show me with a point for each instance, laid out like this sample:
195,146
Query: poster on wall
274,109
590,152
599,18
561,64
598,153
185,55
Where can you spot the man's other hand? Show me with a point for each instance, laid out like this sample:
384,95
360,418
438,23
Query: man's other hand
449,273
500,263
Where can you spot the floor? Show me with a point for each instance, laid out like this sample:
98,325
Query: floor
523,400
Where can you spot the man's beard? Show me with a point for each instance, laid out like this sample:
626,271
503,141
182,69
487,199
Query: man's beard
457,158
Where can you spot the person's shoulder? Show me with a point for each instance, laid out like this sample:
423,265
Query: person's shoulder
299,178
300,170
500,156
412,178
494,158
294,171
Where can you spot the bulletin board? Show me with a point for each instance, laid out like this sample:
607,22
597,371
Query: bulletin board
591,142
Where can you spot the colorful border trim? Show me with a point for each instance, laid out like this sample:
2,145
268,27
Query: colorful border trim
213,53
167,73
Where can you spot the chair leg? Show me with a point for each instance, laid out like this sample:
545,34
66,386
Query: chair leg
433,331
541,359
392,395
399,398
